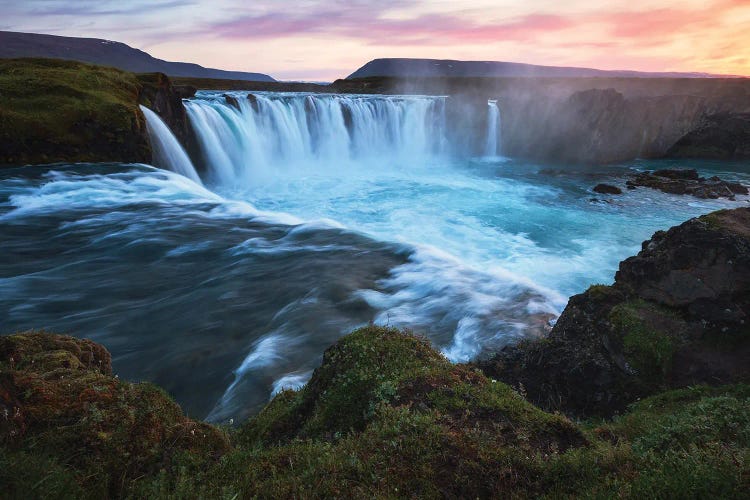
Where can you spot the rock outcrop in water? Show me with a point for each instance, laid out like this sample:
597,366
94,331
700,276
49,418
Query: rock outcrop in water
678,314
687,181
158,94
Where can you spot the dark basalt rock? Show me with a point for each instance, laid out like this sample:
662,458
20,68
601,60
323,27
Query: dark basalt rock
686,174
687,181
185,91
678,314
723,137
232,101
158,94
607,189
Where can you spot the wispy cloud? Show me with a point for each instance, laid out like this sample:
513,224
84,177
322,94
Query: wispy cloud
705,35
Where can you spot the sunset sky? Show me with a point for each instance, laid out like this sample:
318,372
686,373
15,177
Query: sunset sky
328,39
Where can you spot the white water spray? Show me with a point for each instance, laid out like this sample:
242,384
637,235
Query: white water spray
168,153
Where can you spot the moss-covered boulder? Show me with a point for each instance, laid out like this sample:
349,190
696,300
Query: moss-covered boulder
386,413
678,314
61,410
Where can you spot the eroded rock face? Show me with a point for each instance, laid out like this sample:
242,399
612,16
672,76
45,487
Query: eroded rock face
58,399
722,137
678,314
158,94
687,181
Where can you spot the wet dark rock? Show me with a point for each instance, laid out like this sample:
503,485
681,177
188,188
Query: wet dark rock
688,174
253,101
158,94
232,101
607,189
687,181
185,91
678,314
723,136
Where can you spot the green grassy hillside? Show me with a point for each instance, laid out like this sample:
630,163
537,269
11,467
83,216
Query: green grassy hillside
54,110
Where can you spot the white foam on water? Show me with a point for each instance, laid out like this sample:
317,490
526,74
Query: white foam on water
293,381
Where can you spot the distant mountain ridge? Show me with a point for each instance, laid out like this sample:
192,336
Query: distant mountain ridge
109,53
420,68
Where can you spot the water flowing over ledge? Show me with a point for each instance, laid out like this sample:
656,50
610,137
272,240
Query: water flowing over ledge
167,151
262,134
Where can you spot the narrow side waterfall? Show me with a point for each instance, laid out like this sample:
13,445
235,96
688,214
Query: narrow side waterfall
493,130
267,134
168,153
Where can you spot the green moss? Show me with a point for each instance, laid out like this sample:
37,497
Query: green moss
712,220
54,110
417,426
62,404
648,349
600,292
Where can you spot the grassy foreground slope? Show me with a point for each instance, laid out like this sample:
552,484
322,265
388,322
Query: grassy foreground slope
384,416
52,110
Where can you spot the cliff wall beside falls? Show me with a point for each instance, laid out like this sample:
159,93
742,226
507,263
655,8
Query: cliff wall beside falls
65,111
593,120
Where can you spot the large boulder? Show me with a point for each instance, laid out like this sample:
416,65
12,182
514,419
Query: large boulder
678,314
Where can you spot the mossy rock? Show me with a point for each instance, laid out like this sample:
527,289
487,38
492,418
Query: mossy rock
61,403
649,336
377,367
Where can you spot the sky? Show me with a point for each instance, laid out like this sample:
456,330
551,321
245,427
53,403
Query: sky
321,40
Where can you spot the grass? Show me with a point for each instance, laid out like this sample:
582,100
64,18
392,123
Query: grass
384,416
55,110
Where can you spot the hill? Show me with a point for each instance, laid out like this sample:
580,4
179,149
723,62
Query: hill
108,53
396,67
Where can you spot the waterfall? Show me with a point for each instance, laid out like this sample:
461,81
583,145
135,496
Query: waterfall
493,130
167,151
264,134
